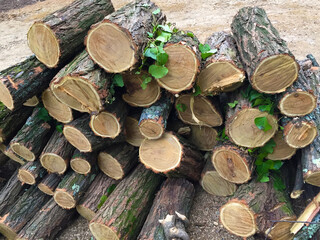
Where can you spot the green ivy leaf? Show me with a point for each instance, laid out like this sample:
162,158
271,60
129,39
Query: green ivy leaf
163,37
158,71
232,105
111,188
204,47
155,12
150,35
277,165
190,34
118,80
281,128
181,107
102,201
162,58
44,115
257,102
146,80
165,28
264,178
205,55
151,53
265,108
254,95
278,183
59,128
196,91
268,147
262,123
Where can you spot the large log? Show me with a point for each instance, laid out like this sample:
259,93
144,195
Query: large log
270,65
56,155
31,172
116,161
60,35
47,222
94,198
32,137
172,156
124,212
223,71
281,151
181,193
117,43
23,81
49,183
83,162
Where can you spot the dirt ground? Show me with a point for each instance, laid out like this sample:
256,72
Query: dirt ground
297,21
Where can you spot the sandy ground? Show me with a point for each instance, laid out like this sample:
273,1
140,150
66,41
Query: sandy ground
297,21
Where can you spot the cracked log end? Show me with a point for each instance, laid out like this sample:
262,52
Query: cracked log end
300,135
105,125
77,139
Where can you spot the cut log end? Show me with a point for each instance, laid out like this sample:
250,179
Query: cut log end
85,212
5,96
275,73
298,103
105,125
114,56
26,177
110,166
80,166
102,232
183,66
64,199
7,231
300,135
204,138
32,102
282,150
44,188
77,139
133,134
44,44
281,230
296,194
238,219
151,129
53,163
22,151
214,184
220,77
312,178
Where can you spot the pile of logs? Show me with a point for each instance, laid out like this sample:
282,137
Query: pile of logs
78,142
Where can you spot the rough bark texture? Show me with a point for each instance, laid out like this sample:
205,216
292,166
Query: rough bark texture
83,162
7,168
47,222
31,172
71,23
49,183
94,198
126,209
23,81
181,193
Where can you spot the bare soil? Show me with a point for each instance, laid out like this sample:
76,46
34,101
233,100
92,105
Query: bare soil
297,21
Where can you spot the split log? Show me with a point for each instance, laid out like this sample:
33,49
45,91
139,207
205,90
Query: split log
132,132
198,110
270,65
72,187
55,108
12,155
181,193
23,81
32,137
31,172
13,220
240,123
183,62
60,35
124,212
153,120
80,135
310,231
223,71
136,96
117,43
172,156
83,162
49,183
56,155
116,161
31,102
253,207
282,150
47,222
94,198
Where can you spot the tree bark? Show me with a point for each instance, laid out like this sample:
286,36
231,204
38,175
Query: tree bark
83,162
133,135
129,25
49,183
47,222
94,198
31,172
223,71
32,137
7,168
116,161
270,65
125,211
60,35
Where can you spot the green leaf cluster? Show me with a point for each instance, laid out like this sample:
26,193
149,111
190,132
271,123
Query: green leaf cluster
206,51
233,104
44,115
117,81
196,91
222,135
181,107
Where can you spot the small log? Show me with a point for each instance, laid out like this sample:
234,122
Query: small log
117,43
181,193
31,102
199,110
13,220
32,137
56,155
132,132
116,161
83,162
46,224
94,198
253,207
269,64
172,156
183,63
22,81
153,120
49,183
12,155
282,150
124,212
60,35
203,137
136,96
223,71
56,109
80,135
72,186
31,172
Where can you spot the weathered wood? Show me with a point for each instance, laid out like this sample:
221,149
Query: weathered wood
94,198
49,183
83,162
269,64
31,172
133,135
117,43
116,161
282,150
124,212
60,35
